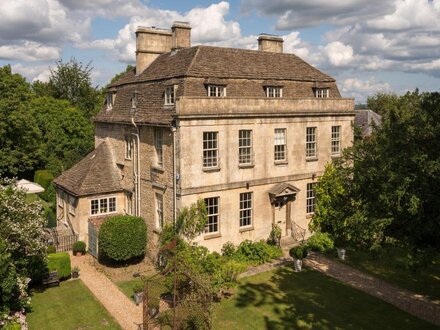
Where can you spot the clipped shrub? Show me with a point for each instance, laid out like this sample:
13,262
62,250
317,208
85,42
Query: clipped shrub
61,263
123,237
51,218
320,242
298,252
79,246
256,253
51,249
228,249
44,178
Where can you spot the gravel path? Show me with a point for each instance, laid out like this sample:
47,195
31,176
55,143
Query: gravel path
405,300
125,312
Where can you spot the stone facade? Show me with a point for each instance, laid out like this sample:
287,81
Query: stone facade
161,112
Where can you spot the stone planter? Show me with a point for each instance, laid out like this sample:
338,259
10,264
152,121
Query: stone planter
341,253
298,264
138,296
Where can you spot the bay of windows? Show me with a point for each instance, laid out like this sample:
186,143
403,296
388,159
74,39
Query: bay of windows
103,205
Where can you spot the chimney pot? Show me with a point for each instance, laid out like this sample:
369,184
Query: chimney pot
181,35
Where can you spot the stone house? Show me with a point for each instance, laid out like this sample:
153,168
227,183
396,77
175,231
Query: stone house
248,131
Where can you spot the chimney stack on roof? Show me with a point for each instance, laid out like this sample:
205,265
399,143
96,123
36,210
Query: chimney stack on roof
151,42
270,43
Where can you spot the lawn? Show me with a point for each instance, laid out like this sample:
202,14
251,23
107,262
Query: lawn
390,265
156,287
283,299
69,306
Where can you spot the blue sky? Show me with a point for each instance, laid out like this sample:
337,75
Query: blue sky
367,45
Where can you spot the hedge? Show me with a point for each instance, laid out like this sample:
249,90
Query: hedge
44,178
122,237
59,262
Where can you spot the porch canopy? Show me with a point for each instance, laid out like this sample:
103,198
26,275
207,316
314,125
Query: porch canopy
283,191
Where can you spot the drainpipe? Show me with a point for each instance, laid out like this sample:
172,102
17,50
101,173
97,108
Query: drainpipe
174,130
136,171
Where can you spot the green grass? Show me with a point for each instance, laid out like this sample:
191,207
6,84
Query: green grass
283,299
390,266
69,306
156,287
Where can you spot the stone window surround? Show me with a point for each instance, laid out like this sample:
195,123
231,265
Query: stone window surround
246,209
216,90
280,146
311,143
212,228
210,155
322,92
274,91
336,141
158,146
170,95
310,198
245,148
159,210
98,210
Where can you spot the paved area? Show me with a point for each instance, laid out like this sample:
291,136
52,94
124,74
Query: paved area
125,312
405,300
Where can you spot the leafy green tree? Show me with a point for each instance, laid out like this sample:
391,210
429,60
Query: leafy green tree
72,81
66,135
381,102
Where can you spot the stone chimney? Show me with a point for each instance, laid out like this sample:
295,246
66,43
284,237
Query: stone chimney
150,43
270,43
181,35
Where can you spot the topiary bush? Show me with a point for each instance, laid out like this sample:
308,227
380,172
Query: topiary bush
298,252
44,178
61,263
122,237
320,242
79,246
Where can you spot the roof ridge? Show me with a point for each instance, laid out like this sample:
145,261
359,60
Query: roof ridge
192,61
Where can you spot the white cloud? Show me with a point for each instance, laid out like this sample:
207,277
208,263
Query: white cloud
293,14
33,72
29,51
338,54
360,89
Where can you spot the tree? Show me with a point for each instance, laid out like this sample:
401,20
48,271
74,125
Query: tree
381,102
20,151
72,81
22,248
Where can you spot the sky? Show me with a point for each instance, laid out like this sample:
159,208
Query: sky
368,46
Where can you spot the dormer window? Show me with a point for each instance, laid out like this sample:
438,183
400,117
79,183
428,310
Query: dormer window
274,91
216,91
322,92
134,100
169,95
109,99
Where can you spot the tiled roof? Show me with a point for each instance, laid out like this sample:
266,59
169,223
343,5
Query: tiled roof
208,61
366,120
94,174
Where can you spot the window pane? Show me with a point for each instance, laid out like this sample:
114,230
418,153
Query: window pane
245,147
212,225
112,204
245,209
210,150
94,206
310,198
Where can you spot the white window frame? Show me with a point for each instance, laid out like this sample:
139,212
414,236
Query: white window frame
336,141
159,211
128,147
311,143
109,100
246,211
322,92
274,91
280,145
158,146
100,205
216,91
170,95
245,149
210,150
134,100
310,198
213,224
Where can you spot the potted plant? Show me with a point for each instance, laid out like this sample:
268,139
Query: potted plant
79,248
340,244
275,235
75,272
298,253
138,293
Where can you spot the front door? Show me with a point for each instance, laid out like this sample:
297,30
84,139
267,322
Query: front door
280,215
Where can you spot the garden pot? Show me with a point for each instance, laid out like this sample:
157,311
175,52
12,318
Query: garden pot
298,264
138,296
75,274
341,253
